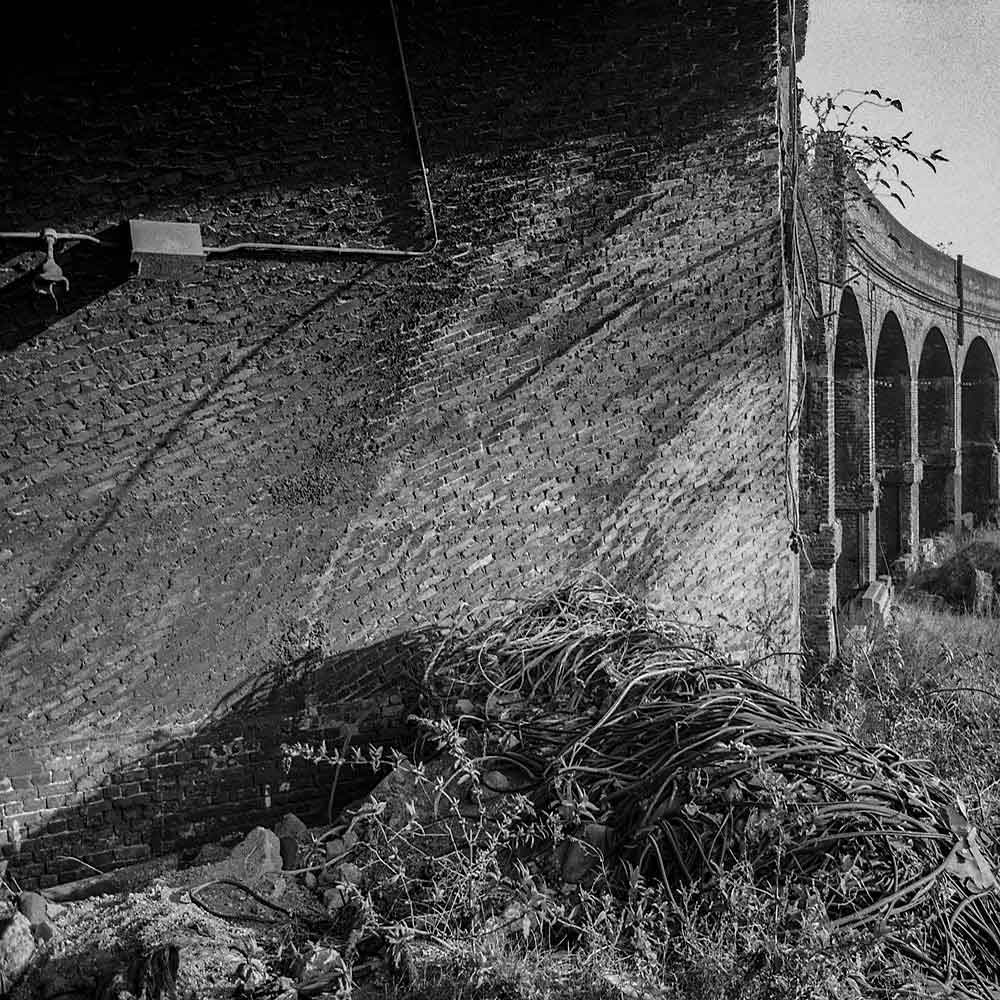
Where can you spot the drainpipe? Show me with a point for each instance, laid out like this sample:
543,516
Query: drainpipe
960,317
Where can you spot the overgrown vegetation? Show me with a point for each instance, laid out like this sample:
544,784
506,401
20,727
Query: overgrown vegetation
620,811
875,156
928,683
608,808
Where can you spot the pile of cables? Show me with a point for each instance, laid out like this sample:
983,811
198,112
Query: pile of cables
698,766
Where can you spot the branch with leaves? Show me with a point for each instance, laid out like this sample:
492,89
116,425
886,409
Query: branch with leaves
874,156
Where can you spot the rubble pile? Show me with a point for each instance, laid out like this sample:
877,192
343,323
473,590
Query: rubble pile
277,917
247,923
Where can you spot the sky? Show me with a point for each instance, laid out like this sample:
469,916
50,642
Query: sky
941,59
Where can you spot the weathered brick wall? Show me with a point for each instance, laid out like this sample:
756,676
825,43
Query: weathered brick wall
231,502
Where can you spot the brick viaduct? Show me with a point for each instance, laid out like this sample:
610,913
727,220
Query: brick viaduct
900,429
234,503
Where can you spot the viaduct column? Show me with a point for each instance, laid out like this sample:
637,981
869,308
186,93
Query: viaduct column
827,384
980,410
936,391
851,435
821,536
914,469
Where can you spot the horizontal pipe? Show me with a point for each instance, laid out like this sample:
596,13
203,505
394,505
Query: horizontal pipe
363,251
53,234
307,248
340,251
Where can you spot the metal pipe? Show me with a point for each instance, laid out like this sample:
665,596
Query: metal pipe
319,249
360,250
960,291
47,233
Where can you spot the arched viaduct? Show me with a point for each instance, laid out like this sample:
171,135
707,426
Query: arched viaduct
899,439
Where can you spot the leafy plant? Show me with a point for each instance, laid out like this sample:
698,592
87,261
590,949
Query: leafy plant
843,167
876,157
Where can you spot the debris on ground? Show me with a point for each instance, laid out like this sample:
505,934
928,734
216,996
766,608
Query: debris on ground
259,853
582,743
237,926
17,946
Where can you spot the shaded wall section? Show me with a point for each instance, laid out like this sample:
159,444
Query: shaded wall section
936,434
852,443
979,433
272,476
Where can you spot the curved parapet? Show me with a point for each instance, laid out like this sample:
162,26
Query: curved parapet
885,250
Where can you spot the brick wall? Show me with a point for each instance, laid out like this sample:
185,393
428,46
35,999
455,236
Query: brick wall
232,503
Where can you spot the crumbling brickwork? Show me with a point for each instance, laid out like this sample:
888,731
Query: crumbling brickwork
269,477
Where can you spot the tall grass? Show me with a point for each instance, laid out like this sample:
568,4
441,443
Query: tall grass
928,683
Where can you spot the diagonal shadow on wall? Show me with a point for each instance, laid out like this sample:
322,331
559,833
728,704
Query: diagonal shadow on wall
156,793
80,545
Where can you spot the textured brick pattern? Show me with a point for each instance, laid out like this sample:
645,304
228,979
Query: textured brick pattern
208,480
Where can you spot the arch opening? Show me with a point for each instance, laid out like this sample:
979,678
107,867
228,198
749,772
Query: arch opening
852,445
892,440
936,435
979,433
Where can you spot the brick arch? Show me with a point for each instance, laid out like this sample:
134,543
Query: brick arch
979,389
852,442
936,433
892,439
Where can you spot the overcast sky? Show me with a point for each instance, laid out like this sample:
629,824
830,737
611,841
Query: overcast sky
941,58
